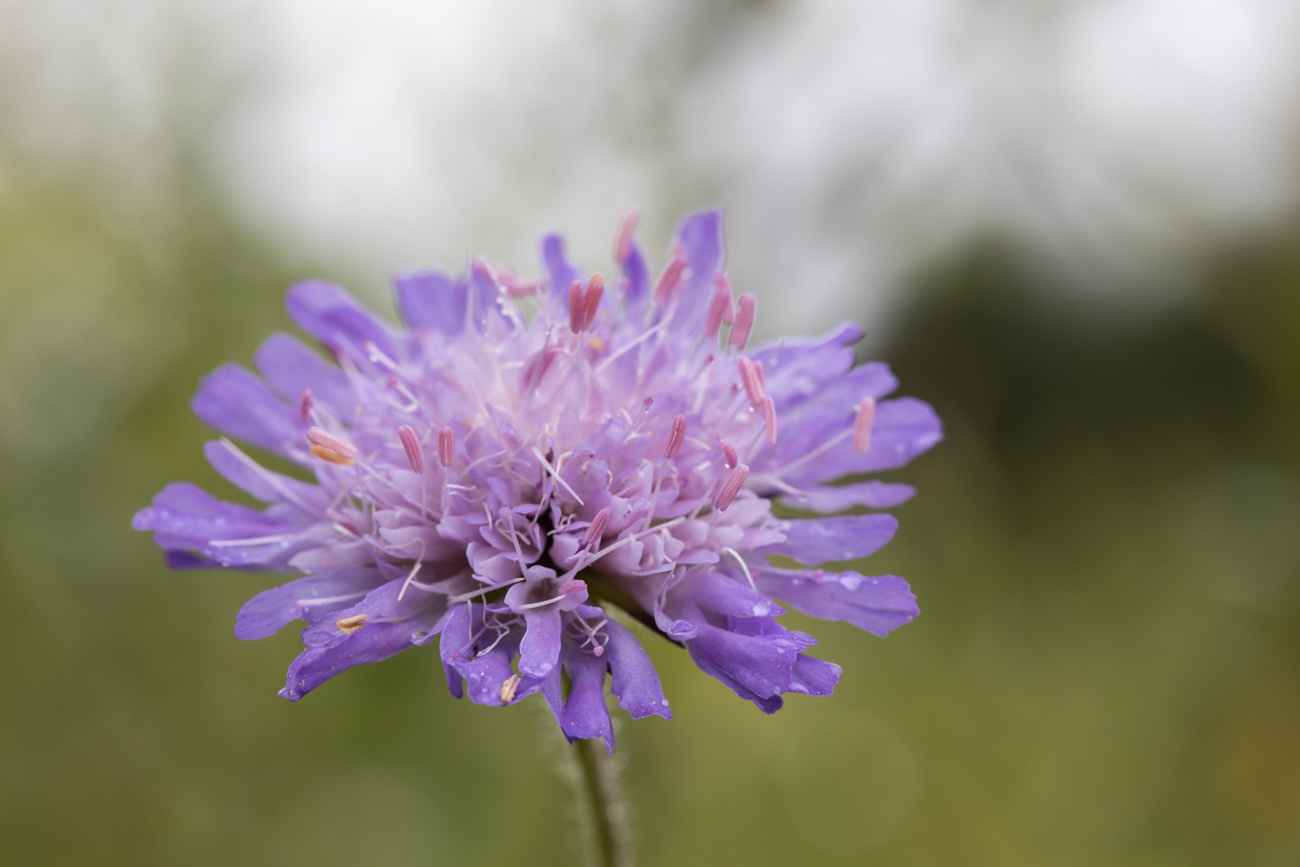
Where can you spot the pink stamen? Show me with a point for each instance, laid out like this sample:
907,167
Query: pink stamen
731,487
515,286
305,404
719,309
729,457
752,380
537,366
598,650
744,321
769,418
597,528
862,424
446,446
568,588
626,229
762,380
577,306
414,452
676,437
595,289
328,447
669,279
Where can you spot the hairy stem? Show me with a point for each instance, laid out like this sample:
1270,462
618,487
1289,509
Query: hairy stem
604,803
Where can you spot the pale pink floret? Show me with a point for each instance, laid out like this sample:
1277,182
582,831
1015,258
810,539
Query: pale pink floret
414,451
446,446
862,424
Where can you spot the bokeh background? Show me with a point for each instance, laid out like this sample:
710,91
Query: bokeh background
1070,225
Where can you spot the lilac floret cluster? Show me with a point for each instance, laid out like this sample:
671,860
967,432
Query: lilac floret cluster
527,463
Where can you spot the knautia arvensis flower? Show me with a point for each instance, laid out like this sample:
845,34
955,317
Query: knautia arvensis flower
524,456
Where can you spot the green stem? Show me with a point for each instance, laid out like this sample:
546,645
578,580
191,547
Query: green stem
605,805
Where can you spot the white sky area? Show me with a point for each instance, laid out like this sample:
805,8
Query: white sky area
850,140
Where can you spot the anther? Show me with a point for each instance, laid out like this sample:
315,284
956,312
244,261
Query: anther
862,424
729,457
349,625
731,487
769,418
577,306
568,588
516,287
328,447
597,528
752,379
446,446
719,307
509,687
669,279
676,437
626,229
595,289
598,650
414,452
304,405
744,321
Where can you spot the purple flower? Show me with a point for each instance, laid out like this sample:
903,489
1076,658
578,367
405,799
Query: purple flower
526,458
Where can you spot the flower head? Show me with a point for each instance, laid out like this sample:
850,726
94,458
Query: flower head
527,457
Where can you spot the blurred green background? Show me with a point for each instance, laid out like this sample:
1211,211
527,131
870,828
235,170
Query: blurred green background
1106,550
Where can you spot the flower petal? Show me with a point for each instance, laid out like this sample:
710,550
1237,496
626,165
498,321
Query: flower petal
560,274
331,315
291,366
234,401
432,299
761,664
877,605
636,683
374,642
540,648
842,537
269,487
585,714
812,676
307,598
873,494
